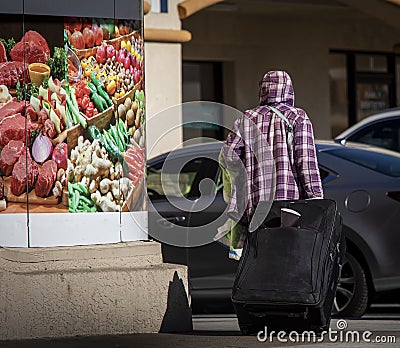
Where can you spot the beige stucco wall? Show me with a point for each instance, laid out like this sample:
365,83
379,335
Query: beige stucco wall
91,290
163,90
297,39
163,74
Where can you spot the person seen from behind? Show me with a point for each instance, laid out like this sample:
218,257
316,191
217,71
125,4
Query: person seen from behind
269,155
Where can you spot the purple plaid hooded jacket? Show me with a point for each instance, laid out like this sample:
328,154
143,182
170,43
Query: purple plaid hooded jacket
265,167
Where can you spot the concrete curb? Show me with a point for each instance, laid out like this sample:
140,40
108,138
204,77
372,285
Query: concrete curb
91,290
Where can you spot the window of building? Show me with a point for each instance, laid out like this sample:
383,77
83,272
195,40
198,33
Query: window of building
361,84
372,97
202,81
159,6
371,63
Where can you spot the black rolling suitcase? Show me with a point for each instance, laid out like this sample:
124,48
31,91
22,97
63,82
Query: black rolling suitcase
287,276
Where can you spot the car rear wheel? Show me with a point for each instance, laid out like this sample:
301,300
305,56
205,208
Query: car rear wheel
351,298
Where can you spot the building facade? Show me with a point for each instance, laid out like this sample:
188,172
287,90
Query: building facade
341,56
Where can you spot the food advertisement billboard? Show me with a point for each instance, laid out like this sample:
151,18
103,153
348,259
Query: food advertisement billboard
72,116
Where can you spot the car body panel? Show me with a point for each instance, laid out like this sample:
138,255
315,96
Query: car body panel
368,221
374,231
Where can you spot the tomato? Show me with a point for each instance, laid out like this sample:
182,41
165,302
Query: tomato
88,37
77,40
98,34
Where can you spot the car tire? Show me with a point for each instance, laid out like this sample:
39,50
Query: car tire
352,294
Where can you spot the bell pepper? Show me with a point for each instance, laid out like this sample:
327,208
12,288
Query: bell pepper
84,63
111,87
85,101
86,90
92,61
89,112
79,92
119,94
88,70
79,101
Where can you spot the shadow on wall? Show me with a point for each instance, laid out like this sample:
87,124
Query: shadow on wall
178,316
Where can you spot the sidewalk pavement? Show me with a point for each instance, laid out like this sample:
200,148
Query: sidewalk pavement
213,332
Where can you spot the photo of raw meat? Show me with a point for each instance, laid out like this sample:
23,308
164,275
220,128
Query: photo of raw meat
24,170
46,179
32,48
10,155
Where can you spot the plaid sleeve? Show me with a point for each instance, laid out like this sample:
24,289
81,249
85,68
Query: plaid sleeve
232,152
305,159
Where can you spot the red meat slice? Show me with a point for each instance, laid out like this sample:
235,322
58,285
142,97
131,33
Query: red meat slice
47,178
30,112
3,54
33,47
24,173
10,154
12,108
43,116
50,129
11,73
14,127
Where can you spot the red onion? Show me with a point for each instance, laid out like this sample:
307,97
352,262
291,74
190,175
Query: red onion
41,148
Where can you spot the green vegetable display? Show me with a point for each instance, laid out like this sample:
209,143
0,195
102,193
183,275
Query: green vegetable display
119,135
105,96
94,133
45,83
113,150
106,141
99,102
58,63
72,111
25,91
79,199
8,45
99,95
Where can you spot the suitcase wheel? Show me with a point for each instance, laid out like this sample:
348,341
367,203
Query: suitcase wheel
248,330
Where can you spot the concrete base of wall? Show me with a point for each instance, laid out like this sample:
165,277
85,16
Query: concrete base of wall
91,290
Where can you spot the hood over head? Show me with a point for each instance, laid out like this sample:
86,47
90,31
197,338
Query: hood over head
276,88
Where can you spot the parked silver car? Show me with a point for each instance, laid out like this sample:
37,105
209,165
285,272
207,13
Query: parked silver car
364,181
382,130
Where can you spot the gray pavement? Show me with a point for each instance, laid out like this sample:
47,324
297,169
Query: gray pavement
223,331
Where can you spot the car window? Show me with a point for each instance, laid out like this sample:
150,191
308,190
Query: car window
185,182
385,134
385,163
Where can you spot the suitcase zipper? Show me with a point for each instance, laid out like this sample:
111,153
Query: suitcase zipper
330,252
